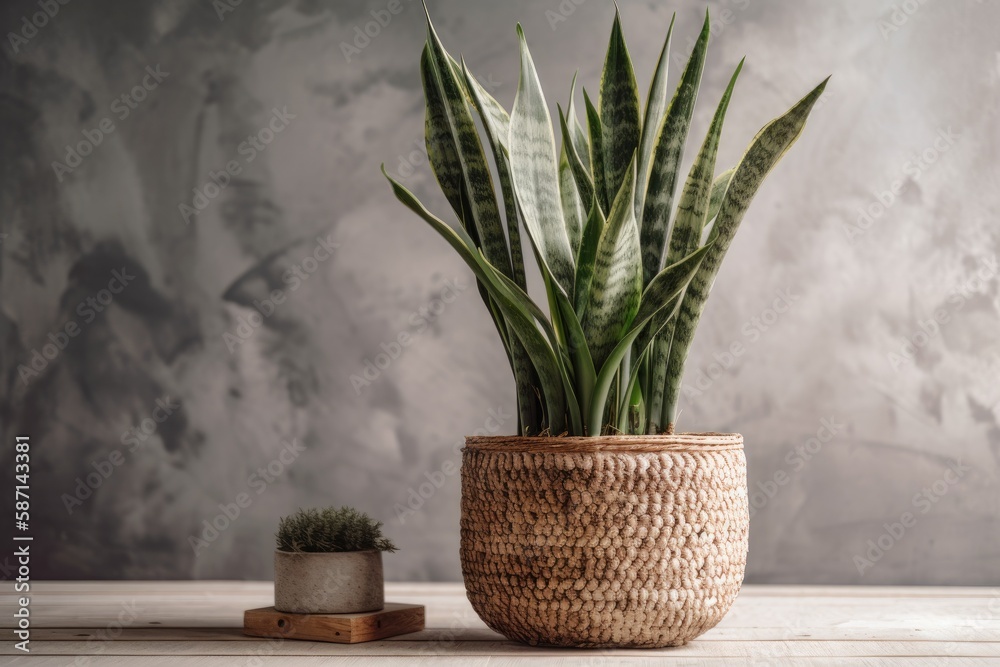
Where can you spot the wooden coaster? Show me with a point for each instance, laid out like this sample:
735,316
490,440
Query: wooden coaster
394,619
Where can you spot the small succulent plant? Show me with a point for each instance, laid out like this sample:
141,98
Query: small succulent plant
331,530
627,266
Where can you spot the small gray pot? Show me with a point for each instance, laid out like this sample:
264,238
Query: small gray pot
328,583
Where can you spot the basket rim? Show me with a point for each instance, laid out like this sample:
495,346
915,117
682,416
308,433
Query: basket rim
622,444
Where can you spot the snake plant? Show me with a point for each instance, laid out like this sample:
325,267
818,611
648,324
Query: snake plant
626,268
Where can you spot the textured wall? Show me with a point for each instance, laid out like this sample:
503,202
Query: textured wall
846,430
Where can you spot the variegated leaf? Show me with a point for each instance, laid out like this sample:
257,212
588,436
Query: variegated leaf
572,205
765,151
656,107
661,293
473,166
580,172
441,151
692,211
535,173
685,237
517,309
580,141
619,107
667,156
597,169
588,255
719,187
496,122
617,282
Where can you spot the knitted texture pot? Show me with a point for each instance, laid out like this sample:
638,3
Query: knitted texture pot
625,541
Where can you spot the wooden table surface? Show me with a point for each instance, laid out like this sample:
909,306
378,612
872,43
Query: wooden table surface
199,623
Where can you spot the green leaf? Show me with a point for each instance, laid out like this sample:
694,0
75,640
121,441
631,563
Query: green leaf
572,205
472,164
685,237
662,293
581,175
692,211
660,347
535,173
597,169
496,122
719,187
620,114
517,313
441,150
767,148
556,299
667,156
617,282
580,141
588,256
656,108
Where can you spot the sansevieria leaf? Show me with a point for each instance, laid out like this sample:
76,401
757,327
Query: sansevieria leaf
719,187
441,150
617,283
572,204
619,107
692,211
667,156
496,122
597,169
536,175
579,169
588,256
685,237
499,287
656,107
580,141
662,292
603,212
764,152
472,164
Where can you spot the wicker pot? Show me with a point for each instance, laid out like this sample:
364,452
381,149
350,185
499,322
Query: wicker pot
637,541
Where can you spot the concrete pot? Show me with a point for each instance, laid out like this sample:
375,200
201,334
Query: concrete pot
328,583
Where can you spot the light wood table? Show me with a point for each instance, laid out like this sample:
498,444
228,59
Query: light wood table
199,623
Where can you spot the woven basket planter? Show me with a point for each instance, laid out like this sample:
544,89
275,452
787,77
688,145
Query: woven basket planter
637,541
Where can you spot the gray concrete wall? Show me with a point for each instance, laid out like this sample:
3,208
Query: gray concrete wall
843,438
